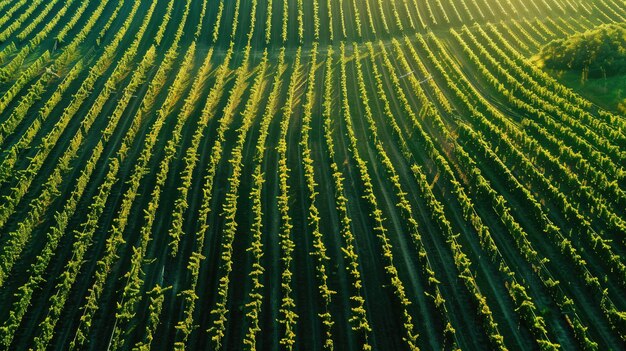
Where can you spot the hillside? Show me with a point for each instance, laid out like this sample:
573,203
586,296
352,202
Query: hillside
307,175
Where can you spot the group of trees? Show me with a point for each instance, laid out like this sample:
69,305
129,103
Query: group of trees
597,53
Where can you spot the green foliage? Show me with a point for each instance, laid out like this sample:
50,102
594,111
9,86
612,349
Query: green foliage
445,173
600,52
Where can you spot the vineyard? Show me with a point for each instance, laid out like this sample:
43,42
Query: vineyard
306,175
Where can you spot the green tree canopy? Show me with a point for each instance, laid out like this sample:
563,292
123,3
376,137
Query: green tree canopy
600,52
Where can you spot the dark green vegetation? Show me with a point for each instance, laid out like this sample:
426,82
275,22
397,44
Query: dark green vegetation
608,93
290,174
592,63
600,52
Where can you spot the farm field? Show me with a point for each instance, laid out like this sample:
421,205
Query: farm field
307,175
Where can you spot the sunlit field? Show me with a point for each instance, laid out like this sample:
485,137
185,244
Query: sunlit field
313,175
